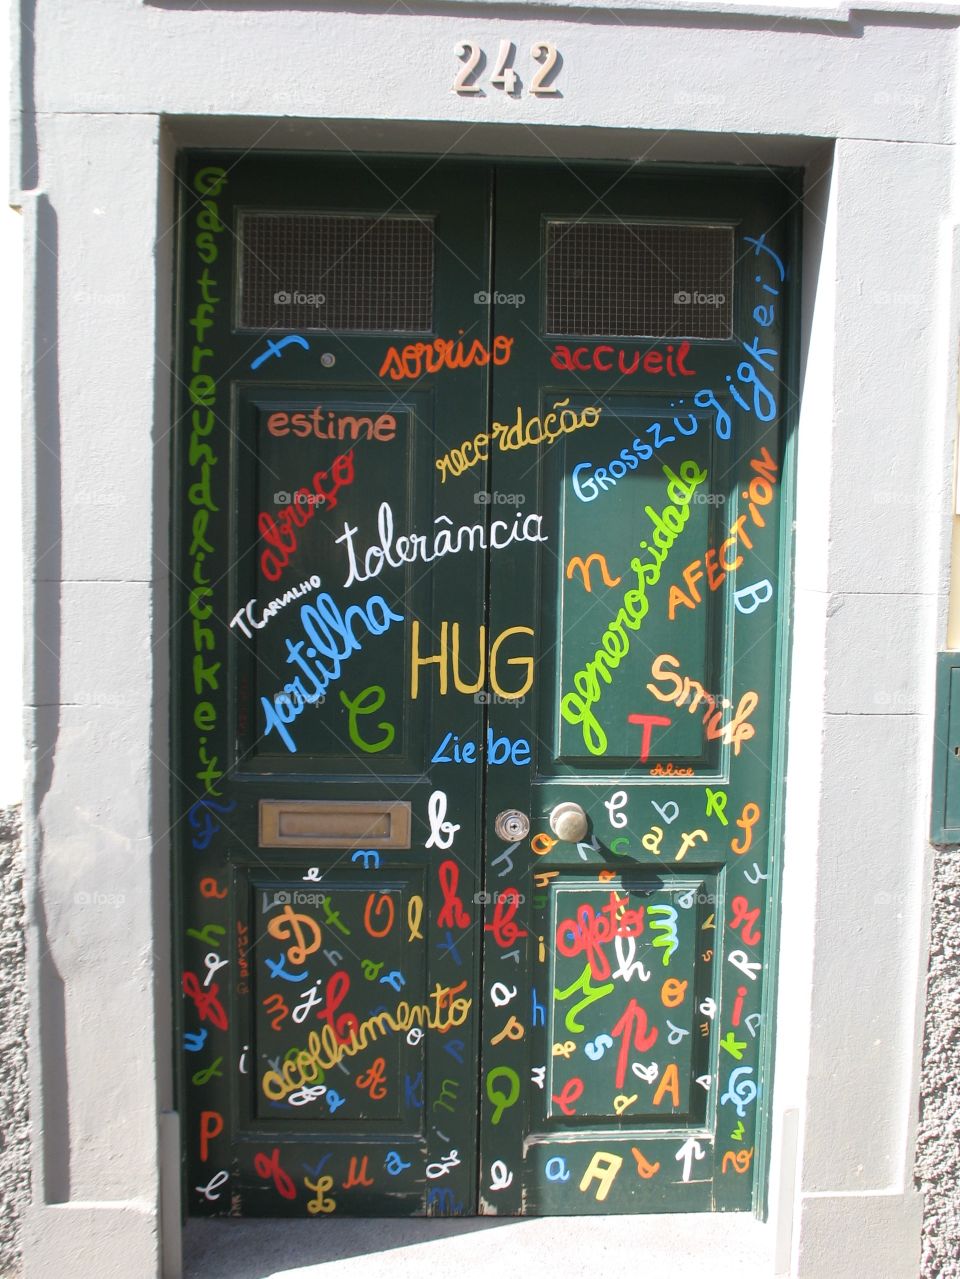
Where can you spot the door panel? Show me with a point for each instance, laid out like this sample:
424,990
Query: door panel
327,946
634,1056
480,514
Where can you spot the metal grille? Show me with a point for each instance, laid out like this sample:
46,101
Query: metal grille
357,272
634,279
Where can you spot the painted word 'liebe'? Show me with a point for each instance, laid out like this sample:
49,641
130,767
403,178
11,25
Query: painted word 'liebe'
590,930
499,750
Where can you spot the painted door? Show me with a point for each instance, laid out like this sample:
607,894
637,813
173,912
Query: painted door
479,570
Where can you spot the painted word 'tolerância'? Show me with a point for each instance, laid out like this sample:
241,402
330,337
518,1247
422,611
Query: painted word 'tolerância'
446,540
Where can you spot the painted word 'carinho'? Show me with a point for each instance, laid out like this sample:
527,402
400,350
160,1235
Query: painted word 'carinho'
446,540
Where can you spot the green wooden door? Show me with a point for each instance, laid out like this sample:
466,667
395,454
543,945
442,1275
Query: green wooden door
465,557
624,1056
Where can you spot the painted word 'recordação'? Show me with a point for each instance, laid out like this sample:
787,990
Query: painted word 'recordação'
582,359
519,435
418,358
499,750
273,608
577,707
446,540
330,639
280,534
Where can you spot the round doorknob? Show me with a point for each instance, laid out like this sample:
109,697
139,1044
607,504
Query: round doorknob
568,821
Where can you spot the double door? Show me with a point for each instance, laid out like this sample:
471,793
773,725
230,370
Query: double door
479,582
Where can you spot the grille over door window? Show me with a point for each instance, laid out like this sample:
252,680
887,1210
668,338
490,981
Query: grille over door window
361,273
636,279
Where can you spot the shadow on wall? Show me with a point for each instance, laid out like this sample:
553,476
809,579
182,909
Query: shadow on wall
256,1248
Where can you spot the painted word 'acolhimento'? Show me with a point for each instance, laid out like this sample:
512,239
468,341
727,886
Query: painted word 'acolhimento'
324,1052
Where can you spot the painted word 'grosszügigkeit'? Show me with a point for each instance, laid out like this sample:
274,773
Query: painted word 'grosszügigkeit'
330,638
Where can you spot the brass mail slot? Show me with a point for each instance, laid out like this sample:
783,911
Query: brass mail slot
334,823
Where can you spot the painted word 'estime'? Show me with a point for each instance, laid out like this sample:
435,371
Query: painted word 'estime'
446,540
577,708
329,635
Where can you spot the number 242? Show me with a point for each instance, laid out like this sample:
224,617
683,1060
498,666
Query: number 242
504,76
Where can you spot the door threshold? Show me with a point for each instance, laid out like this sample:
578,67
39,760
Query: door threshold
690,1244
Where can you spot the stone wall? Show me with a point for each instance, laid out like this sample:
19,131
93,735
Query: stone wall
938,1141
14,1150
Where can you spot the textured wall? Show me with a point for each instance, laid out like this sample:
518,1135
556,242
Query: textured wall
938,1143
14,1167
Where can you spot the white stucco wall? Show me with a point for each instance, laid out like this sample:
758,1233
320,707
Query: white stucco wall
866,101
11,337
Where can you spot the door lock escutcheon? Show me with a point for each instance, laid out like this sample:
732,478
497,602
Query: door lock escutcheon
569,822
511,824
